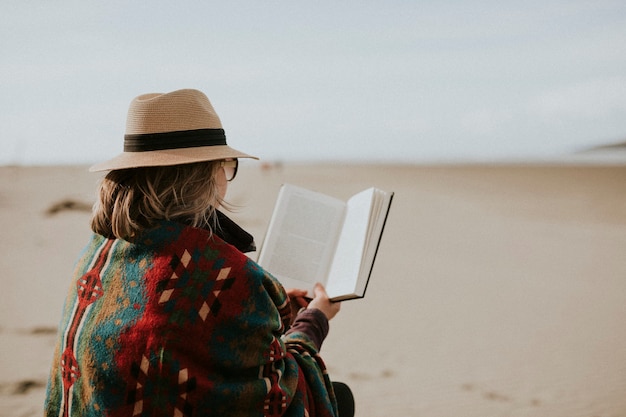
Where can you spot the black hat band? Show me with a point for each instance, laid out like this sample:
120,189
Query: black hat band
174,140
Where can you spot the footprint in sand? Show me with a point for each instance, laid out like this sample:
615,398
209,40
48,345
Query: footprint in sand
496,396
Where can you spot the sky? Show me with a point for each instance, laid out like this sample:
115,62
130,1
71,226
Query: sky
393,81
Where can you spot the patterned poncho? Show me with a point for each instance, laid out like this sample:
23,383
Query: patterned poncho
180,323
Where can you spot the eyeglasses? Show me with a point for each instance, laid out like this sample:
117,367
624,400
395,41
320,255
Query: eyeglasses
230,168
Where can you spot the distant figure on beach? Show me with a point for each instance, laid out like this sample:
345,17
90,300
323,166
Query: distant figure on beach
166,315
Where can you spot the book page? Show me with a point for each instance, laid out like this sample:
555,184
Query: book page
378,217
302,237
344,272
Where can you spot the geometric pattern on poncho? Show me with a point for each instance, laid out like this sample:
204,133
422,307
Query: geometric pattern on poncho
179,323
206,294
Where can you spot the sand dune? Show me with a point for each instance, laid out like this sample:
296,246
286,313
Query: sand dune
498,290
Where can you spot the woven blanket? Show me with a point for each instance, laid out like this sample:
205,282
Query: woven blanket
180,323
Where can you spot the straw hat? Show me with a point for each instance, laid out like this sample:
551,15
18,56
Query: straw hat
176,128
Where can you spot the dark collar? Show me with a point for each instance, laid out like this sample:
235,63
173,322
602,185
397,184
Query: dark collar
232,233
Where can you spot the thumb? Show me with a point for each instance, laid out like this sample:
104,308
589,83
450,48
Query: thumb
319,291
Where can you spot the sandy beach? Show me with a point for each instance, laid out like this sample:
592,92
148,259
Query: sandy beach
498,290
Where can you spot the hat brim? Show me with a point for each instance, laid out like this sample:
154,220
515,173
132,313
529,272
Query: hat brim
169,157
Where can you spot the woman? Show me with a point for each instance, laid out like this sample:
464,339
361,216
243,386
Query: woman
166,315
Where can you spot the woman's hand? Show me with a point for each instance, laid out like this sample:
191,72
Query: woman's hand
323,303
297,299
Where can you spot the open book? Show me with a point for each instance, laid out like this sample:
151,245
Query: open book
313,238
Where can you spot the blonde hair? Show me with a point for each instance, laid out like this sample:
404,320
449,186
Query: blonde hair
132,200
